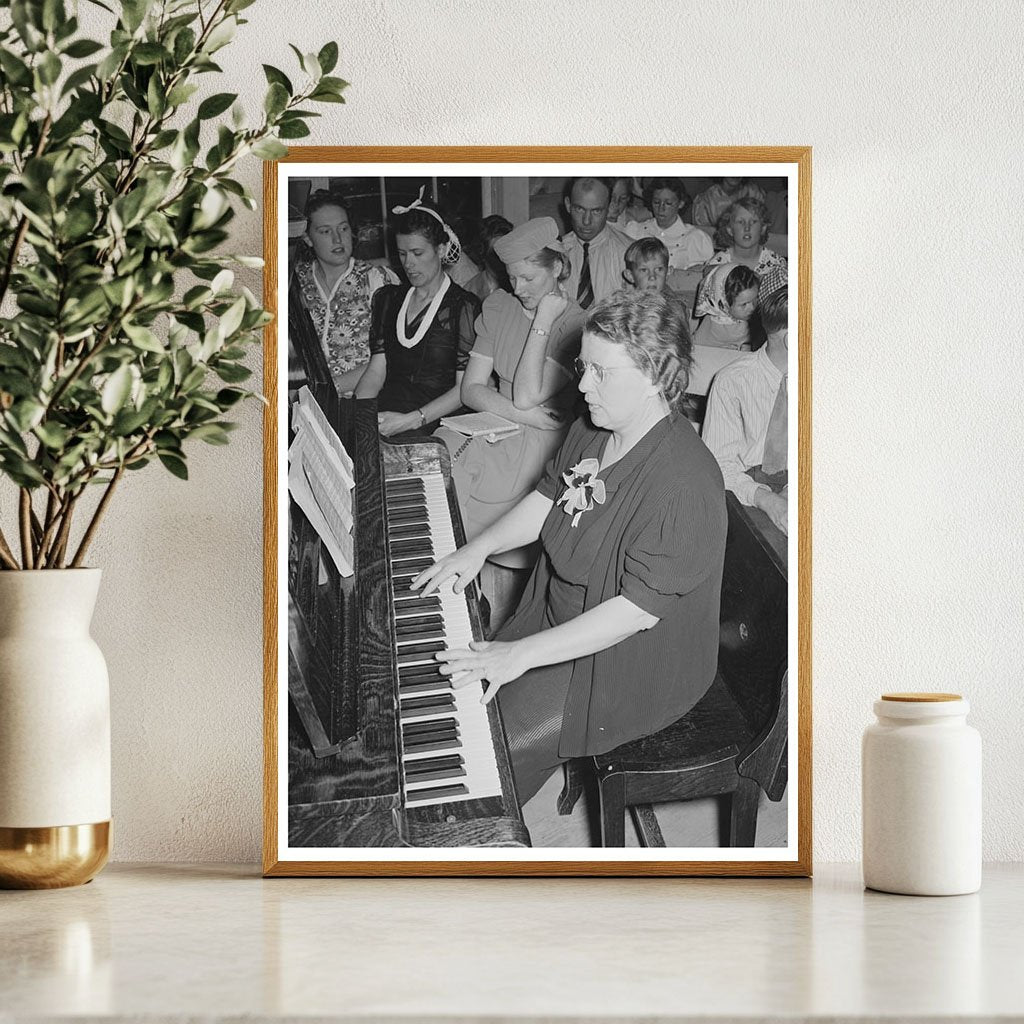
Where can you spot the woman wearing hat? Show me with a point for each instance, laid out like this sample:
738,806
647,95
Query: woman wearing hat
527,342
420,334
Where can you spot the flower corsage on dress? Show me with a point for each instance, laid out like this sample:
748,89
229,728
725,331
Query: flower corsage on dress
582,489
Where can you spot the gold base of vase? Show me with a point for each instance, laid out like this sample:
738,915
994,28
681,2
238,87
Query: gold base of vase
52,858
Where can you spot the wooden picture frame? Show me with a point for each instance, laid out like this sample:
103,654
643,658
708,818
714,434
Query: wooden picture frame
498,174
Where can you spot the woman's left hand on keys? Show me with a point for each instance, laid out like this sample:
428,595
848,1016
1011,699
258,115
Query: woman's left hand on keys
496,661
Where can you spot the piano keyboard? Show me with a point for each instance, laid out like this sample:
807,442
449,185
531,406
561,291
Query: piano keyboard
447,750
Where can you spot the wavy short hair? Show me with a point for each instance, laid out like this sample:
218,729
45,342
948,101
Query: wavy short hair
321,198
751,205
655,335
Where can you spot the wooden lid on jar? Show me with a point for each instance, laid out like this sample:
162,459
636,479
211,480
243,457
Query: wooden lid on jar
921,698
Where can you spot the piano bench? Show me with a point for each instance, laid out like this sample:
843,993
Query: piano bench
702,754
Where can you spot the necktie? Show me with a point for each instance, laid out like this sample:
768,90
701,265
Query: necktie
585,292
775,438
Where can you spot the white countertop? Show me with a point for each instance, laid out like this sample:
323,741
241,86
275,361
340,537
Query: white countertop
179,941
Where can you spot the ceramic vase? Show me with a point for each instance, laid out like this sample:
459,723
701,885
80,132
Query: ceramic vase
54,731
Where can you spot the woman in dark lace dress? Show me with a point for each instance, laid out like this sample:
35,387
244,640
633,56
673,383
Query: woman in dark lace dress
421,334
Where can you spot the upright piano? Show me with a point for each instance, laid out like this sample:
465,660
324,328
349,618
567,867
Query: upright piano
381,750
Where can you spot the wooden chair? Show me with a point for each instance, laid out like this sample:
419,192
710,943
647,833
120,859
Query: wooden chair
734,741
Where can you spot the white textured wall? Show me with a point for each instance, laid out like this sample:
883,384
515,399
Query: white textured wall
914,113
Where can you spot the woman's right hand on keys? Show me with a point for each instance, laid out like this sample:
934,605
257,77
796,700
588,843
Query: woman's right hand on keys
464,565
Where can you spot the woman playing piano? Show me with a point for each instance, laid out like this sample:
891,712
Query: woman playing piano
420,336
616,635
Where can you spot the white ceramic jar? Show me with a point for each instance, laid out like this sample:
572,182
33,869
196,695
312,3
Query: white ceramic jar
921,778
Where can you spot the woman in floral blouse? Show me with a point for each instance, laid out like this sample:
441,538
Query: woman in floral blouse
336,289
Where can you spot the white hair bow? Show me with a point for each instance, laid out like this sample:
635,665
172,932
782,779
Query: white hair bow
454,250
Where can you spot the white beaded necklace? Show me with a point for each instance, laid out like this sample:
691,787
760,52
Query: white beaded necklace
428,316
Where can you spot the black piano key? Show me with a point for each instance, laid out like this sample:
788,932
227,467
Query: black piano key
396,483
417,672
433,763
420,620
404,565
423,748
429,631
452,772
413,729
408,530
410,707
435,793
408,515
411,546
407,501
411,602
423,685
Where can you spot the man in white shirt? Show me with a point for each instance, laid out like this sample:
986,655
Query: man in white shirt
596,250
746,422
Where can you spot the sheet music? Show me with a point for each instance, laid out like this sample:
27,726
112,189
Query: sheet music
320,480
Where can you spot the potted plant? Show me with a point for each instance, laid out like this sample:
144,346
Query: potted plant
122,340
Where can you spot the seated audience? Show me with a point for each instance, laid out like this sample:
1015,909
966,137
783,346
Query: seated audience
715,200
745,425
687,245
743,229
420,335
726,300
337,289
493,275
594,250
617,633
526,342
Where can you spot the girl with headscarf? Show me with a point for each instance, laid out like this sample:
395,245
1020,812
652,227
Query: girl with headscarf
726,300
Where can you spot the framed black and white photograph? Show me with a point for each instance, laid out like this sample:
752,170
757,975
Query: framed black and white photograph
537,511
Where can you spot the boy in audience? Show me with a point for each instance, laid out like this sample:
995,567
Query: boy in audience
745,425
647,271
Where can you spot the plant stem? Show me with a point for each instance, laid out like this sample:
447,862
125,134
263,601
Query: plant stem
6,554
60,544
94,523
25,519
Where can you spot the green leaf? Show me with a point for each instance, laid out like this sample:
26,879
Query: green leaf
278,77
144,338
181,94
16,70
269,149
83,48
116,390
49,68
232,373
221,35
53,435
184,44
326,96
293,130
211,433
133,12
214,105
276,100
145,54
232,319
175,465
328,57
26,414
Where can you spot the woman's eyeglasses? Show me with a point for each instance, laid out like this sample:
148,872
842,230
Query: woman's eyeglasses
597,371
